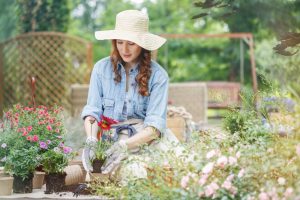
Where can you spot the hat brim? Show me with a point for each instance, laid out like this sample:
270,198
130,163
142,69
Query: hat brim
147,41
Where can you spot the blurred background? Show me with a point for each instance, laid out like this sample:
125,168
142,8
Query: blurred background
188,59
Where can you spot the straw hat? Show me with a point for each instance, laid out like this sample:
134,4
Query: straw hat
132,25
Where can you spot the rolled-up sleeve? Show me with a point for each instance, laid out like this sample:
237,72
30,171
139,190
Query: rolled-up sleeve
157,108
94,101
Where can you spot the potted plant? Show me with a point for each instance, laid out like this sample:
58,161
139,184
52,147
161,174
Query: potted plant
34,130
99,149
54,162
21,163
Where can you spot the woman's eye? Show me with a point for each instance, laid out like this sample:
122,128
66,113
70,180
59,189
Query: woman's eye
131,43
119,42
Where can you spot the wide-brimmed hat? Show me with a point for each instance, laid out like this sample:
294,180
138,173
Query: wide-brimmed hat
132,25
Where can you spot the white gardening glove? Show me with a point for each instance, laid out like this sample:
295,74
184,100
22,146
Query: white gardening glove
115,154
88,153
91,129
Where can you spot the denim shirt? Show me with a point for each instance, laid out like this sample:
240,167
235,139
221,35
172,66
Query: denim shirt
106,97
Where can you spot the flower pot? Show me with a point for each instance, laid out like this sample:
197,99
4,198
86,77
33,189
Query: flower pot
6,184
21,185
54,182
38,180
97,164
74,175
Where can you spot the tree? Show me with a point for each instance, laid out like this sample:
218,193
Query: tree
43,15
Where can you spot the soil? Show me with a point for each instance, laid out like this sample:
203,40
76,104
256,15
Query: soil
22,186
97,164
54,183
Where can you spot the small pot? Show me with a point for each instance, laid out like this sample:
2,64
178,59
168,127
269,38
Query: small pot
97,164
21,185
6,185
55,182
38,180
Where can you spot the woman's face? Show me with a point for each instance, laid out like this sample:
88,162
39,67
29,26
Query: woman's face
129,51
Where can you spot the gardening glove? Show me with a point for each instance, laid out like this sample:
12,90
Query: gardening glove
91,129
115,154
88,153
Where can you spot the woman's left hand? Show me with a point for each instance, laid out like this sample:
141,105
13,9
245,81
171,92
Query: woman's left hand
115,154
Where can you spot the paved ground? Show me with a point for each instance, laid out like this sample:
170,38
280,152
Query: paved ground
39,194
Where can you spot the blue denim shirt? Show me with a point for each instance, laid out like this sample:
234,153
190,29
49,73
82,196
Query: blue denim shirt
106,97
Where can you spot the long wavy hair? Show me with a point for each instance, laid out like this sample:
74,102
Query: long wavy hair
144,68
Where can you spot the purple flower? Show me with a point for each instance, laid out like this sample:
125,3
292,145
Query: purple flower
3,145
48,141
43,145
67,150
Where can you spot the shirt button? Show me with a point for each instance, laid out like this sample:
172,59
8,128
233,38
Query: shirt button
132,84
131,70
129,100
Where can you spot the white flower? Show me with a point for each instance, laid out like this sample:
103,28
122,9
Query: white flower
4,145
3,159
288,192
281,181
263,196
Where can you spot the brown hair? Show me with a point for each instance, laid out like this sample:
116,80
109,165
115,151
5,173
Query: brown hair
144,68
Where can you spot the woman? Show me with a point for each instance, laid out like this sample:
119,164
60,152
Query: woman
128,87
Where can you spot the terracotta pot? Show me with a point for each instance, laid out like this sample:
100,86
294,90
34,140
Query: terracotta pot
38,180
6,185
97,164
21,185
54,182
74,175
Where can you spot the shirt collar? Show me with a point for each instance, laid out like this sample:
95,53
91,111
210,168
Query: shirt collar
133,69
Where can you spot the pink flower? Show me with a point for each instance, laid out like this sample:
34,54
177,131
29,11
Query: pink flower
298,149
25,133
35,138
184,181
263,196
230,177
222,161
29,128
67,150
211,154
288,192
232,160
57,130
28,138
208,168
203,179
49,128
241,173
211,189
227,185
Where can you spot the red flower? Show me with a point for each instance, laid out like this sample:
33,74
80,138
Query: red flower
106,122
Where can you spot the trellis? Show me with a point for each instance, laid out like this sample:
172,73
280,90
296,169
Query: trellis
56,60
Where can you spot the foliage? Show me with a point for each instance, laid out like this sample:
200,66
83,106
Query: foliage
22,162
37,15
55,160
100,148
40,129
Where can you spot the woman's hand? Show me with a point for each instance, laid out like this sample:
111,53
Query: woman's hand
115,154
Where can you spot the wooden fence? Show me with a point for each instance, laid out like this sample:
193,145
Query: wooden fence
56,60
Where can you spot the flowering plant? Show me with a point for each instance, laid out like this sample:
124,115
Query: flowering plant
56,159
104,136
39,128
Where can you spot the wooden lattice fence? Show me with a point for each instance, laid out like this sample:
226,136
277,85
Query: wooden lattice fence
56,60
